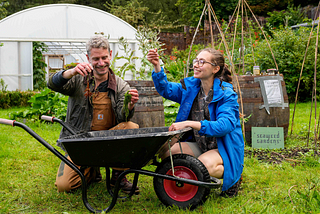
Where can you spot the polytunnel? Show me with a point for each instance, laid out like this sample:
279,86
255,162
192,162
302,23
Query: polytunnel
64,28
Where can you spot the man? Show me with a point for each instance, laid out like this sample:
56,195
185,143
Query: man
95,103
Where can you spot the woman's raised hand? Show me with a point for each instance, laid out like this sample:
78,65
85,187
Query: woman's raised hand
153,57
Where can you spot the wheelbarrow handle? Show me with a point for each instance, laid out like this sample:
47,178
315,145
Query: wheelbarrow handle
47,118
53,119
7,122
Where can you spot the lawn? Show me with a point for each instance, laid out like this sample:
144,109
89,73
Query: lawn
28,171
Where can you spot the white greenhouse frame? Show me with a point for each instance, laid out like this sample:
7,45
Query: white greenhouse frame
65,28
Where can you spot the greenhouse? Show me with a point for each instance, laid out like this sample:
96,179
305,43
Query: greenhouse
64,28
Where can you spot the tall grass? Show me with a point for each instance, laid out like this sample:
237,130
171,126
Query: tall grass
28,171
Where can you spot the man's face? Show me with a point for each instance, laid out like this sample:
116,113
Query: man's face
100,60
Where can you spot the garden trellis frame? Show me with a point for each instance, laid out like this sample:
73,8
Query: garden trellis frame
243,5
314,90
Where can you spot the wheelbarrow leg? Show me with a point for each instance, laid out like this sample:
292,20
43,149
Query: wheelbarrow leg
121,176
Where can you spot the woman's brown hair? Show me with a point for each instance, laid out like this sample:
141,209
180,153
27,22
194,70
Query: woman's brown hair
217,58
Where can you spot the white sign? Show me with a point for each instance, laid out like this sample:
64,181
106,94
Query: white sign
272,88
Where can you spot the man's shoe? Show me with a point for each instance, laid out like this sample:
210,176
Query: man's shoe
232,191
98,176
125,185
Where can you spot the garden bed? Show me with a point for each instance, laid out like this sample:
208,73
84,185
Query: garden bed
294,155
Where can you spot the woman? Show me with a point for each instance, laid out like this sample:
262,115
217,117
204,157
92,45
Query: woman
208,104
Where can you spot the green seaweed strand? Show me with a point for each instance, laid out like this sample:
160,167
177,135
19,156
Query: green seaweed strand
127,99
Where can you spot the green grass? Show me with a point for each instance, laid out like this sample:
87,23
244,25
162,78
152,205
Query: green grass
28,171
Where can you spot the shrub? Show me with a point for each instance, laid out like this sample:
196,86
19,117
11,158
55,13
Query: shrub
289,48
175,65
291,16
45,103
9,99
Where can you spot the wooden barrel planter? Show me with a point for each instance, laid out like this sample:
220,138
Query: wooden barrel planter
149,110
252,100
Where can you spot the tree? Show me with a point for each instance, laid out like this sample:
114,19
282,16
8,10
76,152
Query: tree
132,12
162,14
18,5
191,11
3,11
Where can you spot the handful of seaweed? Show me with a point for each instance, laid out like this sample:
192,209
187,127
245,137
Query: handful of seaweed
127,99
87,91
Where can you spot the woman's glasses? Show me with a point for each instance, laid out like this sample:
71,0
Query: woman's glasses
201,62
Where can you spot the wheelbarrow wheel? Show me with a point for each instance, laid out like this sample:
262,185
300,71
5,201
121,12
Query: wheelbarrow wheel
185,196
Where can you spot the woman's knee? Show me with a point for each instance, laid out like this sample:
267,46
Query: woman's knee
213,162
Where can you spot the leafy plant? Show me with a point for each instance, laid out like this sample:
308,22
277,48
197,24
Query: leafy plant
285,18
175,64
45,103
129,58
148,39
310,195
3,85
170,111
39,65
175,69
289,48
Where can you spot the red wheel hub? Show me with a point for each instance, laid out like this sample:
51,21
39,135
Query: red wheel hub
178,191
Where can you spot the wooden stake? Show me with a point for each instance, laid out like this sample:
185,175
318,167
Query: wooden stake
315,86
210,24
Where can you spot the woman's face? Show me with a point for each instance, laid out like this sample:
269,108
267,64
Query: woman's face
203,67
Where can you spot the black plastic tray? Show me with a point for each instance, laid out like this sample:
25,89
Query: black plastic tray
129,148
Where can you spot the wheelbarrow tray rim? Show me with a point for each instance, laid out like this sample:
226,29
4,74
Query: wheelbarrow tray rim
134,133
130,148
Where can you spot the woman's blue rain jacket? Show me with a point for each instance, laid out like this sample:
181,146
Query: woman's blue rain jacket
224,115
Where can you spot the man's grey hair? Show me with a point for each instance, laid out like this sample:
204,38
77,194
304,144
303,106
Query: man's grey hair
97,42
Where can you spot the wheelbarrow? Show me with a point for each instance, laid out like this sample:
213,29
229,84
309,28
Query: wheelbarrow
180,180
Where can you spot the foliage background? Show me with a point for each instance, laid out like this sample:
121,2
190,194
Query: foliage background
289,48
170,15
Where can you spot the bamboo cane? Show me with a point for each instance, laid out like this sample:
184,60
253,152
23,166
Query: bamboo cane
210,24
194,36
230,22
274,59
304,59
242,46
315,86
